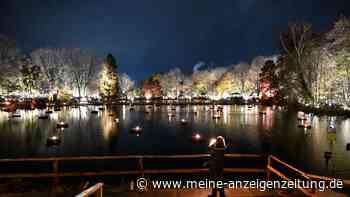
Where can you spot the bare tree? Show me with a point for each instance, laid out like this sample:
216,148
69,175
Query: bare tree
10,61
126,83
53,66
82,66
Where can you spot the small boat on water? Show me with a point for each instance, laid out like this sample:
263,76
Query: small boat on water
62,125
184,121
15,115
262,112
304,126
216,116
48,112
53,140
43,117
94,112
101,108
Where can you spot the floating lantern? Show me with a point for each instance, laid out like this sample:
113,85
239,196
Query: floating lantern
53,141
117,120
62,125
136,130
16,115
183,121
196,138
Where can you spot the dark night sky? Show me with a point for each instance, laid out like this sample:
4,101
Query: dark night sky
148,36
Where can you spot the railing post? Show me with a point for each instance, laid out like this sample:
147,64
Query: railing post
56,177
141,167
268,170
99,193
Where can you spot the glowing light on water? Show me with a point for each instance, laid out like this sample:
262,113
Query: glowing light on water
148,95
197,136
123,112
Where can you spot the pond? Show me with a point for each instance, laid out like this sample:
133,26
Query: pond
169,130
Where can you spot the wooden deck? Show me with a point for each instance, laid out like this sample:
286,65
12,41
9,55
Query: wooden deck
193,193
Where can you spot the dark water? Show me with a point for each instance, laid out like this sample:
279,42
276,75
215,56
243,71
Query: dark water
245,129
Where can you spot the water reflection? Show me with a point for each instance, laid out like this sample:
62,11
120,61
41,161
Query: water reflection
248,129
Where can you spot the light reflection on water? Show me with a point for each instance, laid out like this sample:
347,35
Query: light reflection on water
246,131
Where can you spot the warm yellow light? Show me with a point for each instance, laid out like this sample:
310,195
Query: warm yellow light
212,142
197,136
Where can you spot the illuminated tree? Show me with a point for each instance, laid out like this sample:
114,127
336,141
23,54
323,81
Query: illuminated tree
109,81
297,44
172,82
31,77
151,87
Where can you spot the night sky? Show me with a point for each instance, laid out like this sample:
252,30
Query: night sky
148,36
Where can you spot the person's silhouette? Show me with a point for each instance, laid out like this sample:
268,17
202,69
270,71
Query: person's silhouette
216,164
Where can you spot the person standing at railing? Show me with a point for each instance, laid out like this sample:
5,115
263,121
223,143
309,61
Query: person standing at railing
216,164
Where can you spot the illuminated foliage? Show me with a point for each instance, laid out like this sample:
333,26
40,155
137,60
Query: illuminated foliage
109,81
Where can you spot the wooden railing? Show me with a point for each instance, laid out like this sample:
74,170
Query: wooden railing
140,158
141,170
96,190
306,176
